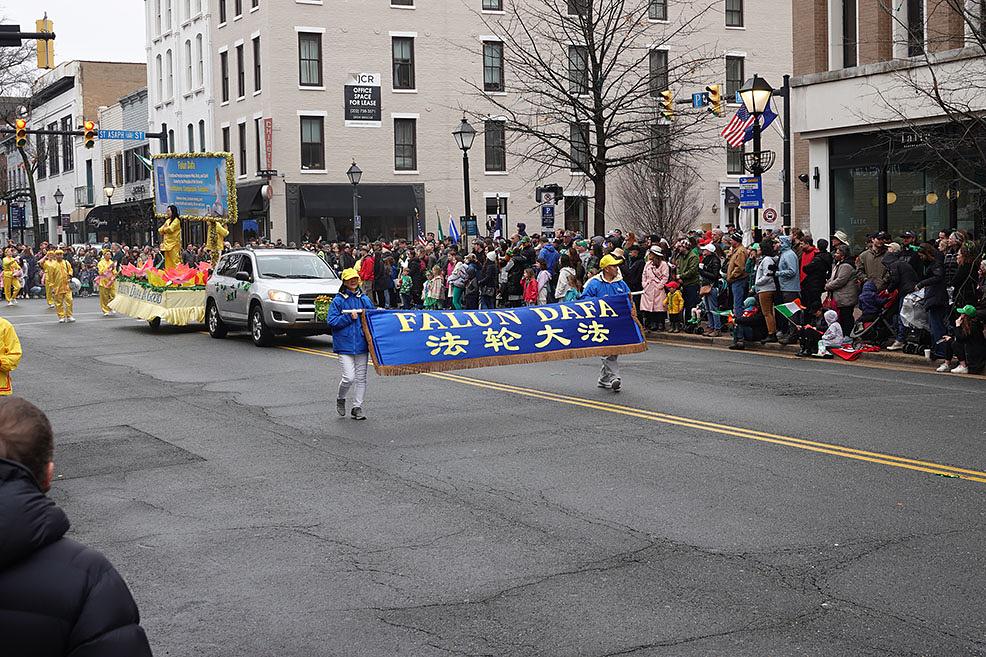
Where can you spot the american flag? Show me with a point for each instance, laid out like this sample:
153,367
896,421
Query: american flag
735,131
421,232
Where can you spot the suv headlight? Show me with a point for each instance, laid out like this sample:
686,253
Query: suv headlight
278,295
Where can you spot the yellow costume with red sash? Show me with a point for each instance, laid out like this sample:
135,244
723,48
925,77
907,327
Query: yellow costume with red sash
10,355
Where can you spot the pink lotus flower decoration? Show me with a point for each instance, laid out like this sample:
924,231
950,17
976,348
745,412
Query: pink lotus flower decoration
180,275
128,270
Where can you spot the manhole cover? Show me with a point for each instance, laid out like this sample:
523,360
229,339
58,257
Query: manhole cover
114,449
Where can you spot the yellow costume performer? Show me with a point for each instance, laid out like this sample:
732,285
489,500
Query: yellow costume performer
170,232
216,241
45,267
60,278
11,278
10,355
107,282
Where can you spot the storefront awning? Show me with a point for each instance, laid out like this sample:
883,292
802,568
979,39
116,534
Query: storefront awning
374,200
102,215
249,201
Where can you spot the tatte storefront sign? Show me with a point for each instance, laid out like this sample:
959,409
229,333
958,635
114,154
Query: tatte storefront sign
362,97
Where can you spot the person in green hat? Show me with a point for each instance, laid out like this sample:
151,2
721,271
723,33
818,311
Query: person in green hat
968,344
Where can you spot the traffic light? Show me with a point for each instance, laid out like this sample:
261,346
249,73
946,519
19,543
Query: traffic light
21,127
89,134
715,98
667,104
46,47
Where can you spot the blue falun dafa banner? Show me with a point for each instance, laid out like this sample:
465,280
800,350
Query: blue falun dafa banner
416,341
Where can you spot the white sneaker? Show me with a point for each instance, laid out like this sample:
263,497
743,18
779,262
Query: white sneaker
15,302
10,303
944,367
61,320
106,314
71,319
51,305
896,346
604,384
960,369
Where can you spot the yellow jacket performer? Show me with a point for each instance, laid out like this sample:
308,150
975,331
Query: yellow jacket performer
60,278
45,263
10,355
106,280
11,276
170,232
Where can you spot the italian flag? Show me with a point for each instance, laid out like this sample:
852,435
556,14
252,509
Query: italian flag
788,310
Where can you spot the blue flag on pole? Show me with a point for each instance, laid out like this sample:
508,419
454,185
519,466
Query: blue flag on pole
766,118
453,230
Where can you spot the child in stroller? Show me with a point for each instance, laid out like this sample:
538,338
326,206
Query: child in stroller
875,325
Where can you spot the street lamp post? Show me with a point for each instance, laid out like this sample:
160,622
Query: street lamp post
756,95
108,190
59,197
354,174
464,135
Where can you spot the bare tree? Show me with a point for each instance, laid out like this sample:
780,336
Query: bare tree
658,199
583,78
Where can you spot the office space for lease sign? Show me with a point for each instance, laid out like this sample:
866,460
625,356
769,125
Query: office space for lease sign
362,100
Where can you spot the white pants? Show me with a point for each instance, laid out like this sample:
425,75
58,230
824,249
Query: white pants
610,369
353,376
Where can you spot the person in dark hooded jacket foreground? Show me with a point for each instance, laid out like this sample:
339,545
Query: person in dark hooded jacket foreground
57,597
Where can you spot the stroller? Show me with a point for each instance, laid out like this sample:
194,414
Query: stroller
915,318
876,328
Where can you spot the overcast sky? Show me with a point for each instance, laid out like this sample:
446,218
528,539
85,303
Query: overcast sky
103,30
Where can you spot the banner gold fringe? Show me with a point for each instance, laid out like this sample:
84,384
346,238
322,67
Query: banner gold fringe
143,310
493,361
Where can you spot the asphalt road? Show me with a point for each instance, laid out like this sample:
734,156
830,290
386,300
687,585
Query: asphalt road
722,504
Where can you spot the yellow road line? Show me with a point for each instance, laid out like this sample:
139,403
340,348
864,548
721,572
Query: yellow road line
702,425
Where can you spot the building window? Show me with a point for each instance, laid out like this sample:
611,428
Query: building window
199,62
405,145
128,166
312,143
403,48
118,169
188,65
222,11
202,135
401,3
734,13
578,7
68,152
191,138
256,139
53,149
240,73
493,66
237,7
157,16
578,70
167,15
107,172
159,87
915,28
576,214
254,4
496,146
170,77
241,128
849,35
256,63
657,10
224,75
734,78
171,141
658,72
226,139
310,59
492,5
734,160
578,135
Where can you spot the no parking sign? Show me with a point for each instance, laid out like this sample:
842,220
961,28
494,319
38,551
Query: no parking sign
769,218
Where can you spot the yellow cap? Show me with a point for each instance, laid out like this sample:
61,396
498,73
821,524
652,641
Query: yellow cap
349,273
609,260
58,252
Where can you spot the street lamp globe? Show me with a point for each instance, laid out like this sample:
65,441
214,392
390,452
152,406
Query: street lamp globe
354,173
464,135
59,196
108,190
755,95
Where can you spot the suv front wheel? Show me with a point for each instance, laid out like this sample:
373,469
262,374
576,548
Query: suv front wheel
262,334
217,328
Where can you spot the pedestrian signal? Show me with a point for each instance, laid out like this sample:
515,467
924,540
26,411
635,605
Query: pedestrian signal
89,134
20,126
667,104
715,99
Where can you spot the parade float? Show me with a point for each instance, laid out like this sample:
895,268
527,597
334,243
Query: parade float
202,187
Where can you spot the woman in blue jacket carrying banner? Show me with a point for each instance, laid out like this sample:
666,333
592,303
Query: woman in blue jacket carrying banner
348,341
608,283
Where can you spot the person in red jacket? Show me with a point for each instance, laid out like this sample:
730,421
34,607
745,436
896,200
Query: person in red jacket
366,266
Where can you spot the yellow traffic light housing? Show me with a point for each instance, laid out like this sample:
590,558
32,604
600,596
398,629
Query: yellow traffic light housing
667,104
89,134
715,99
20,127
46,47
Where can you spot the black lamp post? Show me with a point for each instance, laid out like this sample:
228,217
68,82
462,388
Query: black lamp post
354,174
464,135
108,190
59,197
756,95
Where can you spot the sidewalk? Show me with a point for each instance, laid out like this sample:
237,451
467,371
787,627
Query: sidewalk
883,356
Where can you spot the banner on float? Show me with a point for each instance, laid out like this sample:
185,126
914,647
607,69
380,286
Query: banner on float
201,185
417,341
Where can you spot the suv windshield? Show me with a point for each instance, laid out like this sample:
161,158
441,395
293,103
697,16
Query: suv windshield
293,266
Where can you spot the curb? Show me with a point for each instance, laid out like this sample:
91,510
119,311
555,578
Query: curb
686,339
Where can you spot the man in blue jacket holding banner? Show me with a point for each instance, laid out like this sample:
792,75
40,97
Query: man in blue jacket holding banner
608,283
349,342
